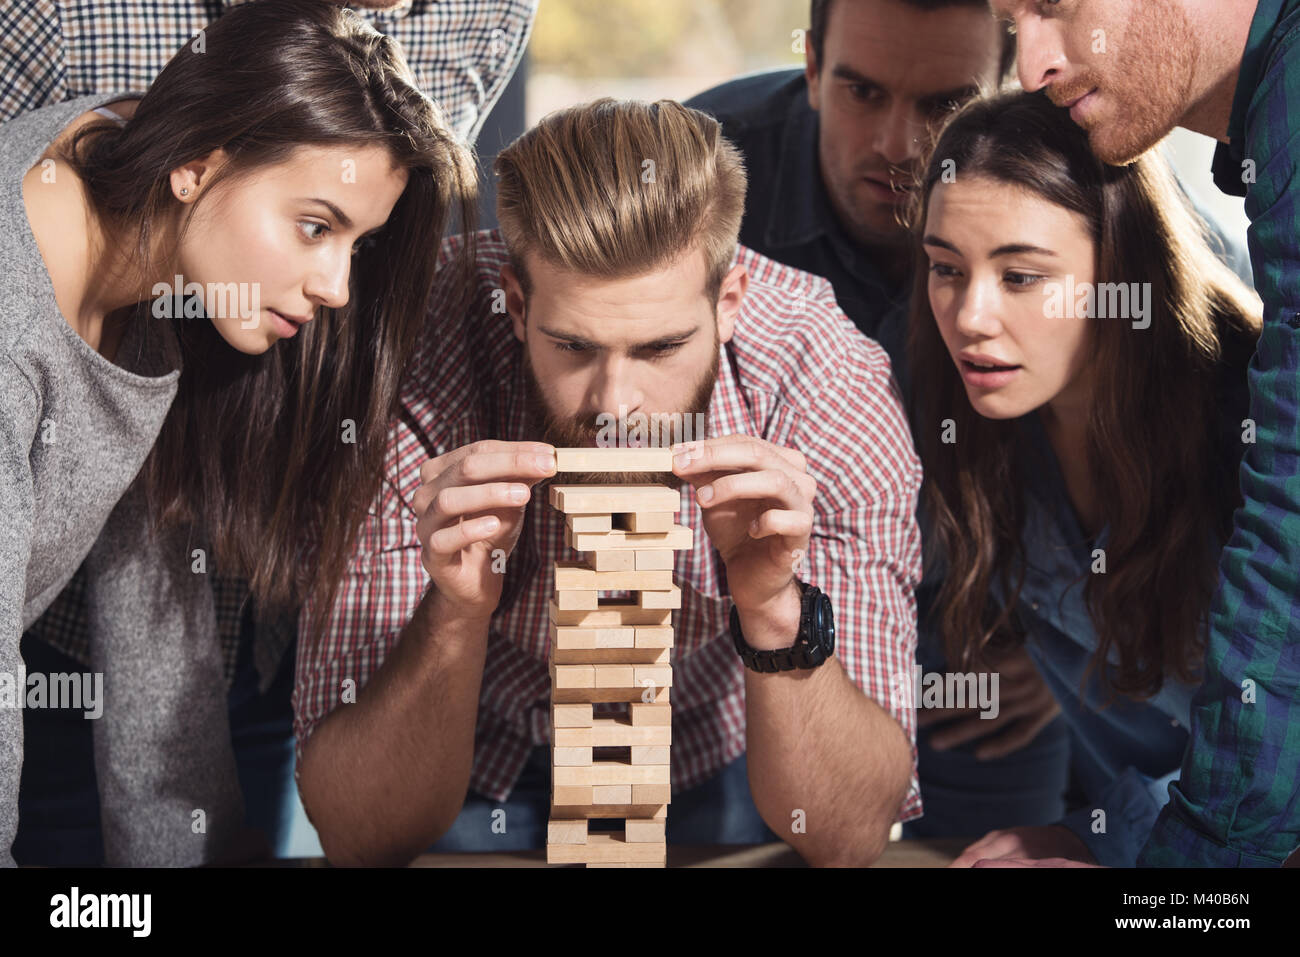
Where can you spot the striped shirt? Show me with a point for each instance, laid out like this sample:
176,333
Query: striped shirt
463,53
796,373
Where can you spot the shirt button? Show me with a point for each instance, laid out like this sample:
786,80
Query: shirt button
1034,605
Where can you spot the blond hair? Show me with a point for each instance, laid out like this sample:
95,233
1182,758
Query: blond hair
616,188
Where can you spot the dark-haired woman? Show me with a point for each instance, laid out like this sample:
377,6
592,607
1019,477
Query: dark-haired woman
217,288
1078,361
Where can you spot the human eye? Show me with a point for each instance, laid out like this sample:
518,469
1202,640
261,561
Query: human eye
1022,280
305,224
866,92
943,270
664,349
570,347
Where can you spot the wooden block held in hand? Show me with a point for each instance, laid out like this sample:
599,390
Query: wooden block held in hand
614,460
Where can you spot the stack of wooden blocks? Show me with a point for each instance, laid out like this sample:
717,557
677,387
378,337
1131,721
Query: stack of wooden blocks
613,651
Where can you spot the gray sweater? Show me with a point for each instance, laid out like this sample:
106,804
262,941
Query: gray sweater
74,431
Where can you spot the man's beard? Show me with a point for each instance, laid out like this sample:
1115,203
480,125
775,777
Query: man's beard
1150,88
582,432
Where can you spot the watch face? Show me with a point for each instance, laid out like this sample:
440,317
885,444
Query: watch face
825,623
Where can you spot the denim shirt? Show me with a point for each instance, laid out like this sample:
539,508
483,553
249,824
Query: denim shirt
1125,753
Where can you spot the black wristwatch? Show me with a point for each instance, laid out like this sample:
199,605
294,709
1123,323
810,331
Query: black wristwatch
812,646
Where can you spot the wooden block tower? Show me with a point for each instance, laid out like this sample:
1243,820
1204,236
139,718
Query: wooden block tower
613,651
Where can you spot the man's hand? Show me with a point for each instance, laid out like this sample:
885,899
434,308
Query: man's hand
472,502
1053,842
1025,707
757,501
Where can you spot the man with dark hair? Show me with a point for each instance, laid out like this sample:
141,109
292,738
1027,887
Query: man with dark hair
1230,69
831,150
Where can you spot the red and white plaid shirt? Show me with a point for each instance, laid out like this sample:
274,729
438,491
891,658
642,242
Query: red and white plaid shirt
796,373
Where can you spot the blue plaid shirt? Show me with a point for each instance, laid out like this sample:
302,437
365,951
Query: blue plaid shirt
1235,803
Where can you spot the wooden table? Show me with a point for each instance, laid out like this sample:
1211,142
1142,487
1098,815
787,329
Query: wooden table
914,853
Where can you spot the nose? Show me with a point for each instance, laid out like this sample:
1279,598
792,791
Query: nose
1040,58
328,284
897,134
977,311
613,391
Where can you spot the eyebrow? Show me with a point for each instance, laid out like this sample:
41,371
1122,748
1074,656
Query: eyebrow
580,341
1009,249
843,72
344,220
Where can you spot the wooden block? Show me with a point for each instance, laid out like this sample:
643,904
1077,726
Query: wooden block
606,847
652,636
577,600
609,811
647,755
614,460
611,613
607,499
591,864
666,598
566,831
640,830
647,695
615,676
651,558
575,758
615,561
651,794
611,794
650,714
611,656
615,733
573,676
677,538
610,772
648,522
661,676
575,578
571,716
589,523
570,637
572,796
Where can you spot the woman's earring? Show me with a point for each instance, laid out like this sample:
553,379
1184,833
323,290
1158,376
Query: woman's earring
184,191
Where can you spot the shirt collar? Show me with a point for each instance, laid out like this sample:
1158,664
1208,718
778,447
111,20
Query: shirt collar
397,12
1228,157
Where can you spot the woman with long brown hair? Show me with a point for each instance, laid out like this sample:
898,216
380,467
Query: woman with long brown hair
209,299
1078,359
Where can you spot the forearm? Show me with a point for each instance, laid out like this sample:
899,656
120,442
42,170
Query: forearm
817,744
386,776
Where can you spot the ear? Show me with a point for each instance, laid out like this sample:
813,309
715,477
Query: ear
514,300
195,175
812,73
730,296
